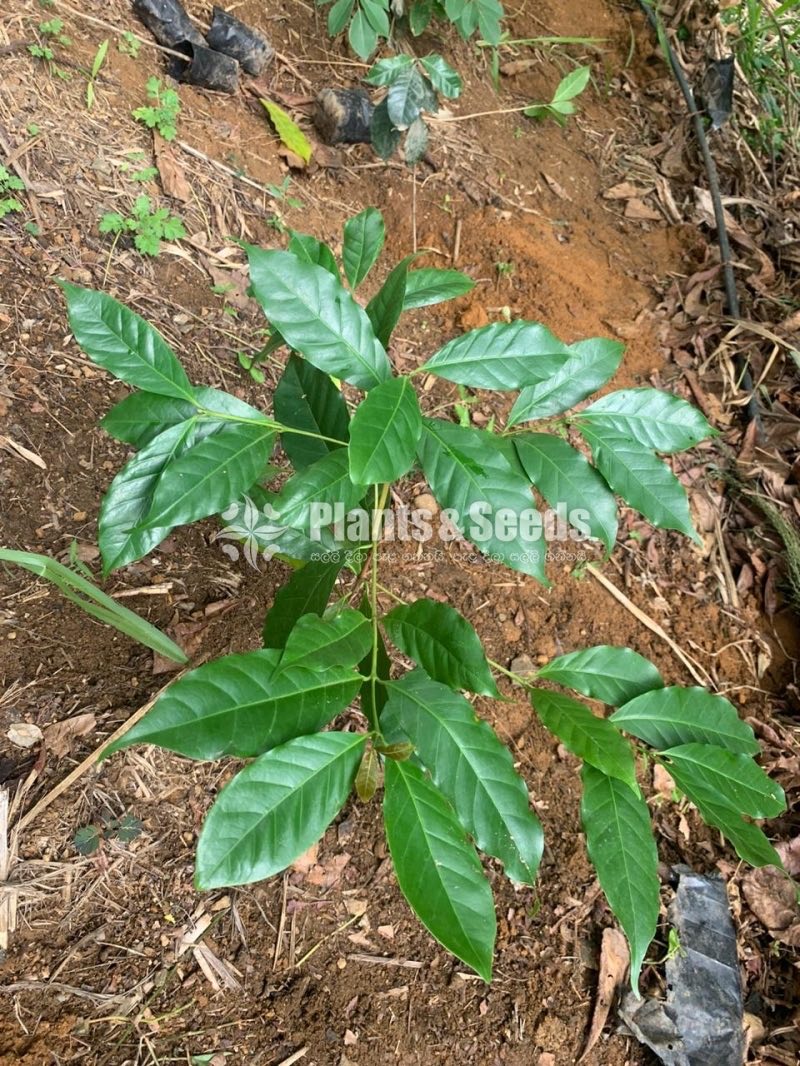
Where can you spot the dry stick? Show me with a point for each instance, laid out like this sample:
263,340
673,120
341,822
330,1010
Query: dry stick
88,762
741,362
654,627
220,166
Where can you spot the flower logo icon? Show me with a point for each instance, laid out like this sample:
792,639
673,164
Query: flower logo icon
254,528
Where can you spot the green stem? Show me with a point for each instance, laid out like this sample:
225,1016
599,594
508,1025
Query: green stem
220,416
380,501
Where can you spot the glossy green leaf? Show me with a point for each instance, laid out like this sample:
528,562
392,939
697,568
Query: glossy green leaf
307,399
572,84
363,239
437,868
469,473
501,356
669,717
443,643
385,136
409,95
444,79
591,363
377,15
432,286
128,500
243,705
734,779
567,480
211,475
276,808
642,479
317,317
419,16
613,675
304,496
471,767
306,592
362,37
386,306
386,70
95,602
619,840
591,738
749,841
310,250
342,640
124,344
653,418
384,433
289,132
338,16
140,417
416,142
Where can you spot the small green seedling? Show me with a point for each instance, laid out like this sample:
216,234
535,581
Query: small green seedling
90,838
97,62
504,270
149,227
412,87
9,184
250,364
561,105
129,45
163,114
53,29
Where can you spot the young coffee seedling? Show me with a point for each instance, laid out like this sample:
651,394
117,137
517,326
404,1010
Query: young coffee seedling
97,62
149,227
412,87
561,105
449,784
9,184
162,115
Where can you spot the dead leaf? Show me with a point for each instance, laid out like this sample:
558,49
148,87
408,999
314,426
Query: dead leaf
625,191
516,66
231,284
171,172
24,734
771,897
325,876
790,855
305,862
17,449
292,159
640,211
58,736
614,962
554,187
189,635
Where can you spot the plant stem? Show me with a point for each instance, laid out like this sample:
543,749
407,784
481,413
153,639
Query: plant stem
380,501
220,416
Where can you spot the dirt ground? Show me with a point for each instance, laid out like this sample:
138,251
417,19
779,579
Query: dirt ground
115,958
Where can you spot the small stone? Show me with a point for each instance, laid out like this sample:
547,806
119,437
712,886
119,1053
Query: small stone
24,734
523,665
511,633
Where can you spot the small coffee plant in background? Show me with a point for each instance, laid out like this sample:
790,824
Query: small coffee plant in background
149,227
450,789
412,87
162,114
561,106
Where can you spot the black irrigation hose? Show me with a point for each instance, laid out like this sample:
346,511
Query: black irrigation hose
740,362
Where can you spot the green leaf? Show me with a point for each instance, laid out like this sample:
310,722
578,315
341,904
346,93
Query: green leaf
432,286
308,400
653,418
363,239
619,840
471,767
306,592
591,363
362,37
376,15
469,473
572,84
416,144
384,433
338,16
317,317
94,602
140,417
613,675
243,705
735,780
386,306
669,717
437,868
289,132
386,70
501,356
301,502
124,344
128,500
385,136
419,16
211,475
640,478
444,79
310,250
443,643
276,808
567,481
342,640
749,841
368,776
409,95
592,739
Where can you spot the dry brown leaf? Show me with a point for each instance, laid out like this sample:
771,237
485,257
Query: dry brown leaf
790,855
58,736
640,211
614,961
325,876
305,862
771,897
554,187
625,191
171,172
292,159
516,66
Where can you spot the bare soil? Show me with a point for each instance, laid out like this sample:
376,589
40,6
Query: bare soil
116,959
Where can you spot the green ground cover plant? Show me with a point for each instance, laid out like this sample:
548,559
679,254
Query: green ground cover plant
149,225
450,789
162,114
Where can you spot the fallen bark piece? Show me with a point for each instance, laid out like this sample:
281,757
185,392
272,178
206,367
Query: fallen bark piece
167,21
232,37
344,116
701,1021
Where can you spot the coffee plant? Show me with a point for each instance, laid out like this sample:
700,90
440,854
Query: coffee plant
412,90
450,789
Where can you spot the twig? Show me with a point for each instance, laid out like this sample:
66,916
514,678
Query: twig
220,166
693,667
